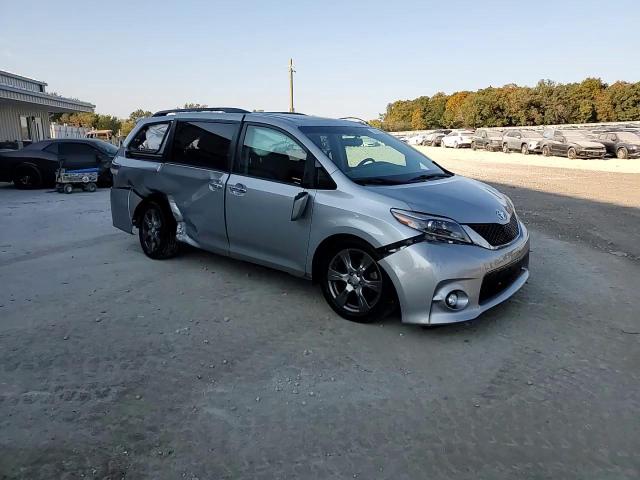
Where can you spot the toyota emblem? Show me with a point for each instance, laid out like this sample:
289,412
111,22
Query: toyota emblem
501,215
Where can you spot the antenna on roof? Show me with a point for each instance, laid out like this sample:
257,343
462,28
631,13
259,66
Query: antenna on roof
291,72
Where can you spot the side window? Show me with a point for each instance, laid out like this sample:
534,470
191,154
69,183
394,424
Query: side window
203,144
272,155
323,180
149,139
77,154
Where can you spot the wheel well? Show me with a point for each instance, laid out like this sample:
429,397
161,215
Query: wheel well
154,197
326,246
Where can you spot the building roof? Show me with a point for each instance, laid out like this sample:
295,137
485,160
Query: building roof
4,73
23,90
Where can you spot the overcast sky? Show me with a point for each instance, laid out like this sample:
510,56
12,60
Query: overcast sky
352,57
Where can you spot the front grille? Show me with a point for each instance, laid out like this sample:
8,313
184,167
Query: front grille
499,280
497,234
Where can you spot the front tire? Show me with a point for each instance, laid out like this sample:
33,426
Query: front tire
524,149
571,153
157,232
546,151
473,146
622,153
354,285
505,148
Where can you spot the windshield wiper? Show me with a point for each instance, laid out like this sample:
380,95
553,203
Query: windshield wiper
376,181
428,176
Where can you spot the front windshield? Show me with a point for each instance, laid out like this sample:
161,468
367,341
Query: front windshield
107,147
629,137
368,155
578,135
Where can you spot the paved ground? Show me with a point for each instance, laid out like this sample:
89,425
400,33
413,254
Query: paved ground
115,366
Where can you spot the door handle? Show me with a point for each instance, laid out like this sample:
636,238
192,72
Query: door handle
216,185
238,189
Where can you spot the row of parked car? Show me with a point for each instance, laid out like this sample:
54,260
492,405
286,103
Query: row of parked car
620,141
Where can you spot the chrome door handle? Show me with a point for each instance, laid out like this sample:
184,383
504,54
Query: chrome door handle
238,189
216,185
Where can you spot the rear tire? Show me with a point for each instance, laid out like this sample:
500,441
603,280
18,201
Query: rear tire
524,149
27,177
473,146
505,148
157,232
546,151
571,153
354,285
91,187
622,153
455,145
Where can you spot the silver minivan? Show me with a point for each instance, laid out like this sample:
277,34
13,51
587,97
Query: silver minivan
376,223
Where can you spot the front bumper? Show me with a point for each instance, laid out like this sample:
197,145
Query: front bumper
424,273
590,154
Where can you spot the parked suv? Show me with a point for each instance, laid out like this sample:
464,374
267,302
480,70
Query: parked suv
570,143
525,141
376,226
489,139
621,144
457,139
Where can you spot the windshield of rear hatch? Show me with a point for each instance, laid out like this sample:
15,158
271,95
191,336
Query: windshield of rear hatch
365,153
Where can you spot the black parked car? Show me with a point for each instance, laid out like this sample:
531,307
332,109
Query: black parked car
571,143
35,166
622,144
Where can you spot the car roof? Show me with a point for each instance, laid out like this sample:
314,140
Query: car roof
293,119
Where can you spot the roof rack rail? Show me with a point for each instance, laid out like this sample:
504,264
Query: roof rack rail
162,113
284,113
359,120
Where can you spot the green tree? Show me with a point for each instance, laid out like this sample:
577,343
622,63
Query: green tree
138,114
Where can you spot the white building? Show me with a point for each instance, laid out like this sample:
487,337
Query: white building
25,107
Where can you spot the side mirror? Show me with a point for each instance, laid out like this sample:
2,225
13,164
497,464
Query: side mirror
299,205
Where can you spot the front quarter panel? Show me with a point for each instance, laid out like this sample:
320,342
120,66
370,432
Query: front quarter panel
358,212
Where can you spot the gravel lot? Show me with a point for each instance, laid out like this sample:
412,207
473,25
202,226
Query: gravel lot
115,366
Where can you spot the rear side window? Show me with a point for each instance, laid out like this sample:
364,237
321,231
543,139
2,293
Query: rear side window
270,154
203,144
149,139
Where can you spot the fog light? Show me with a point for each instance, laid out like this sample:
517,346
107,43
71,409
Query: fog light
452,299
456,300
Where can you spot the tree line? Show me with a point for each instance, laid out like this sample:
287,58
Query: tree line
99,121
547,103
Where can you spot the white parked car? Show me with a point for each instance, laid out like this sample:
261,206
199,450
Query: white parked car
457,139
417,139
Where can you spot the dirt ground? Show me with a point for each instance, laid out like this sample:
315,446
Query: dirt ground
116,366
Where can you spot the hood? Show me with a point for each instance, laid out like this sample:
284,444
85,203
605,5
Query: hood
586,143
459,198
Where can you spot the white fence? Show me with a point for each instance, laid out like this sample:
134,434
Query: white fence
68,131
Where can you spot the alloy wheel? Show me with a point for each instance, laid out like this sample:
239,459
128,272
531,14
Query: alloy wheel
151,229
354,281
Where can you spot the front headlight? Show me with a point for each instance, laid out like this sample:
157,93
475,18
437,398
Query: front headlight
436,229
534,144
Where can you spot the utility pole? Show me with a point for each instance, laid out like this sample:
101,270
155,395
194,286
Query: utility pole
291,72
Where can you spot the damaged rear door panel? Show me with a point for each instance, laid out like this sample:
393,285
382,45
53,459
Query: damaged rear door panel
194,180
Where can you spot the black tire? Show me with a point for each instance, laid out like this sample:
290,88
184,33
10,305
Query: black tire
473,146
524,149
68,188
92,187
488,147
622,153
27,177
157,231
455,145
505,148
571,153
381,302
546,151
442,144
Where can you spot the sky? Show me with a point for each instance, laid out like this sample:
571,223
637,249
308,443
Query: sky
351,57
